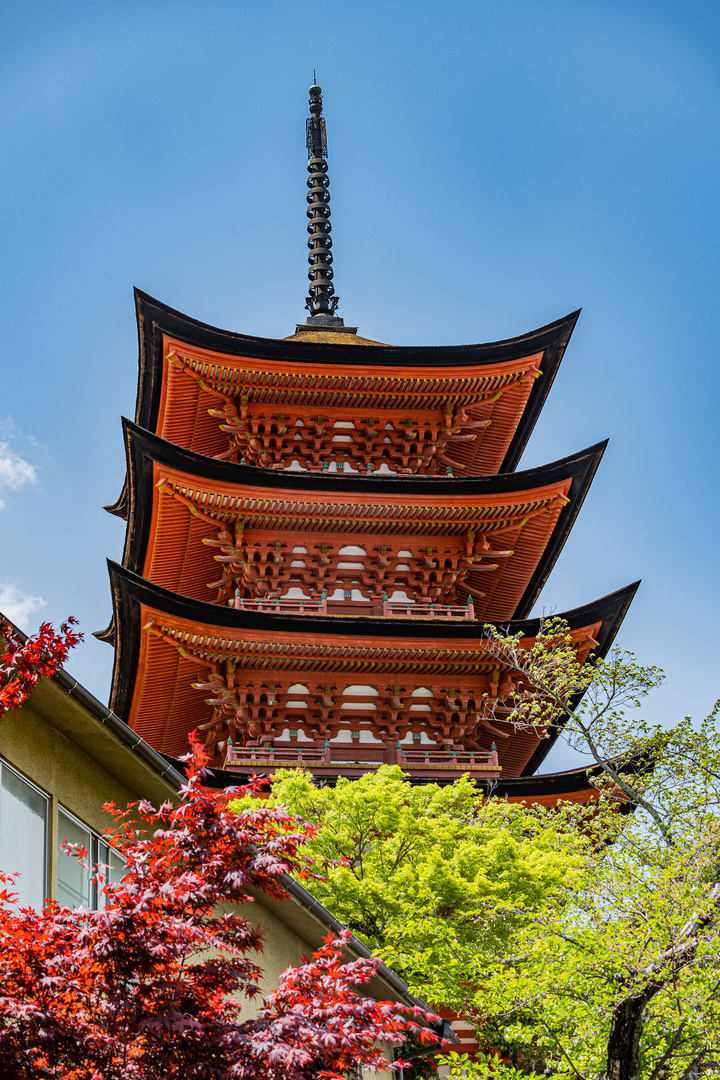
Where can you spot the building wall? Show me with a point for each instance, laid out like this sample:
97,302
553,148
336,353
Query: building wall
53,741
292,933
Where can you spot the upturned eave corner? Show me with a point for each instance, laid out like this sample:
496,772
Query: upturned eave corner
614,615
142,608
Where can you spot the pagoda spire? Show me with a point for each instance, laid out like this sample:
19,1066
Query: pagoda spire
321,301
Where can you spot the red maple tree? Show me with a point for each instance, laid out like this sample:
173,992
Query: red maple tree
154,984
25,660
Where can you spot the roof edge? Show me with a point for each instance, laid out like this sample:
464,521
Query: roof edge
129,590
148,305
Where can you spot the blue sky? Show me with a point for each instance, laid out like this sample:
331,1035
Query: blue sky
494,165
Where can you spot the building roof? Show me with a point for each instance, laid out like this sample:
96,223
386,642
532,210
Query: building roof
528,362
165,642
543,789
179,499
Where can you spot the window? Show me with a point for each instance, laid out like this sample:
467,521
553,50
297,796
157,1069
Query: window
23,836
75,887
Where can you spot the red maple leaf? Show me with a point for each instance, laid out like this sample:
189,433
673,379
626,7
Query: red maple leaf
157,983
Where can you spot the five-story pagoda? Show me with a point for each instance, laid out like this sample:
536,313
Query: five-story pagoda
320,527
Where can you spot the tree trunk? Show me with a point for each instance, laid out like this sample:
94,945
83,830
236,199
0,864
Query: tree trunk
623,1056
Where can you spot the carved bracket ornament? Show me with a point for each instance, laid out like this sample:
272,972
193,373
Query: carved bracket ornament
427,574
279,436
257,712
256,703
325,554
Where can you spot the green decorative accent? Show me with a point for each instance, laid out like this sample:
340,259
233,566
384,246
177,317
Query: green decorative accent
448,471
493,748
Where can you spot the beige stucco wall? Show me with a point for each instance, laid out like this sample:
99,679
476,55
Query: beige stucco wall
283,947
291,933
54,741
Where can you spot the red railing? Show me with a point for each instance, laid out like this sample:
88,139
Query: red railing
429,611
460,759
342,754
279,757
281,606
390,608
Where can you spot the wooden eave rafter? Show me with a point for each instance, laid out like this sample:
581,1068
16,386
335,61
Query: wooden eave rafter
147,617
345,515
175,492
159,324
344,391
259,650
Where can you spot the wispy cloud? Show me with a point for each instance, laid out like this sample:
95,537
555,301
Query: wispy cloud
17,605
15,471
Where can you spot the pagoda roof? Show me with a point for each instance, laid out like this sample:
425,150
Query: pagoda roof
545,789
570,785
163,641
179,499
323,374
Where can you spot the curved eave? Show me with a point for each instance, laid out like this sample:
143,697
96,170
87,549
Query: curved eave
571,785
130,592
156,319
144,449
625,598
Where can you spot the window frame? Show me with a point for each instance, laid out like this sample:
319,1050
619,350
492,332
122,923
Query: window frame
96,899
47,798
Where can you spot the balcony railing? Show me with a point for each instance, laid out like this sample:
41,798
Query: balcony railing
343,756
390,608
279,757
462,760
429,611
286,606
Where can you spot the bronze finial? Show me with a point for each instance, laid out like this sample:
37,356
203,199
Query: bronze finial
321,302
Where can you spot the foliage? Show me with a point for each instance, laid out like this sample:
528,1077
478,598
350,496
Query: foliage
485,1066
25,661
581,942
153,983
624,977
419,872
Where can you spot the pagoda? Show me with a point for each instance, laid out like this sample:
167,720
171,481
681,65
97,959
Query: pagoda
319,530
